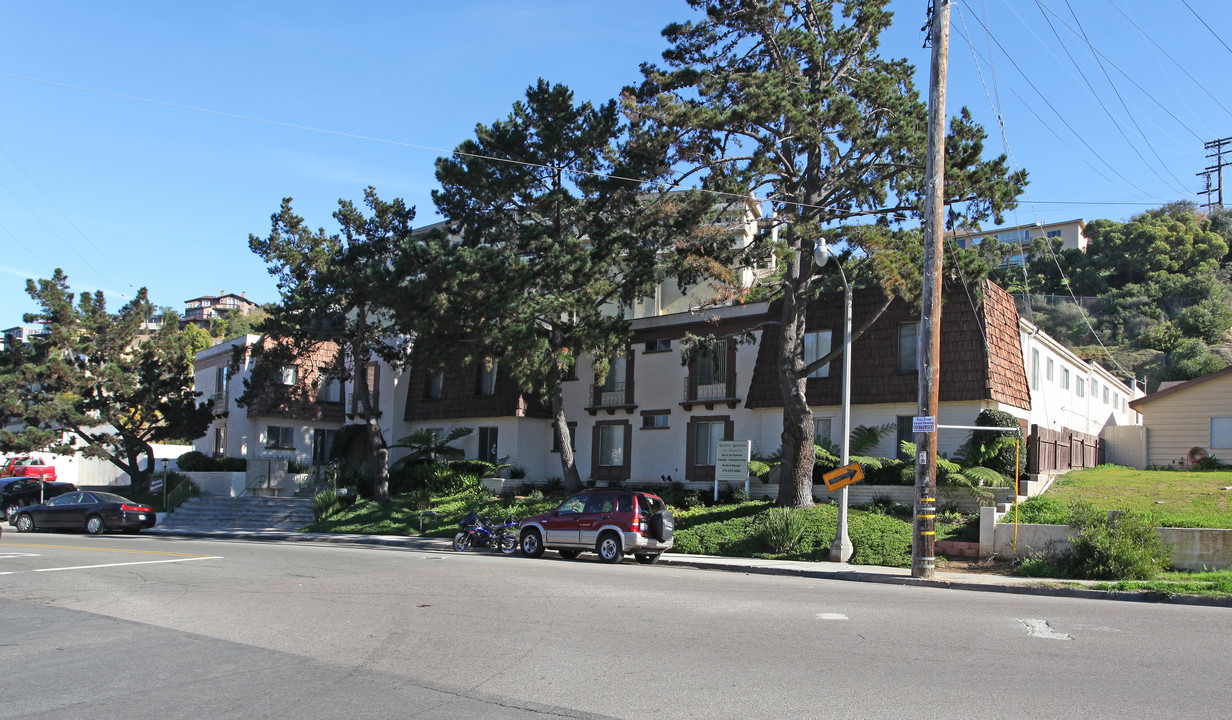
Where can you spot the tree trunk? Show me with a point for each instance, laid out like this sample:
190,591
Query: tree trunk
560,428
378,452
796,470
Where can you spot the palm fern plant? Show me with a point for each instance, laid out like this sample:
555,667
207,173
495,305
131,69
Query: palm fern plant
977,479
429,446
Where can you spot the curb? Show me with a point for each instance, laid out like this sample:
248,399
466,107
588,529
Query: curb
722,564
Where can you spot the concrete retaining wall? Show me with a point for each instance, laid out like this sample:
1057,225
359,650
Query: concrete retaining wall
1192,548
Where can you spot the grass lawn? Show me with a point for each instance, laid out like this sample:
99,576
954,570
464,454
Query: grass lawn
879,538
1172,498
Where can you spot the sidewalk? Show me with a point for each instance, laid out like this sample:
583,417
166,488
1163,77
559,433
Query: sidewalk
796,568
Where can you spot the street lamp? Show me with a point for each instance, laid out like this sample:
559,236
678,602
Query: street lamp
840,548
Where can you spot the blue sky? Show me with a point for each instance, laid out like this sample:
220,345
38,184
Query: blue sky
124,193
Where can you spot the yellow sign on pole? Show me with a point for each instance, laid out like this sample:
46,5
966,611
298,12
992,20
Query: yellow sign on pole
844,476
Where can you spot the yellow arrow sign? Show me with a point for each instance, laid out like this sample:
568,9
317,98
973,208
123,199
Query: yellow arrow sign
844,476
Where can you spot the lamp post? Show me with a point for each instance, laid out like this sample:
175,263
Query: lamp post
840,548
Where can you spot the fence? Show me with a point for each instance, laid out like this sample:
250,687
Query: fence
1125,445
1051,451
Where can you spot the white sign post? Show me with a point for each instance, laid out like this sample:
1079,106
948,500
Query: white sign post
731,463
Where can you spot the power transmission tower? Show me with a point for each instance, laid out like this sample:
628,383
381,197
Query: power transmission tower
1218,148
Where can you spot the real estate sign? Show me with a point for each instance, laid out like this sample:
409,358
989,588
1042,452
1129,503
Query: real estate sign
731,463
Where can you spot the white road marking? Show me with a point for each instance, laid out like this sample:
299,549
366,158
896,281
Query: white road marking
143,562
832,616
7,556
1041,629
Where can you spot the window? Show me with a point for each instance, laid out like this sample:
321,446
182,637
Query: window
1054,233
330,390
322,442
434,385
1221,432
220,382
1065,378
706,442
1035,369
611,445
1116,401
660,345
372,376
569,370
1080,386
821,431
280,437
614,382
655,420
817,345
908,347
288,375
220,441
487,377
572,438
1094,388
903,434
1105,394
712,365
488,444
1048,370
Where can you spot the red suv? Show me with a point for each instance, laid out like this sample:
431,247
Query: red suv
611,523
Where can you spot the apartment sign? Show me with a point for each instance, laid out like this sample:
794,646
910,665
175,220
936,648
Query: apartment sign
731,461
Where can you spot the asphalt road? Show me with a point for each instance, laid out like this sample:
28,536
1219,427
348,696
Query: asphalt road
166,627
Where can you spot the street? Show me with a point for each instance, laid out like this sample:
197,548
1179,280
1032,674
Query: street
147,627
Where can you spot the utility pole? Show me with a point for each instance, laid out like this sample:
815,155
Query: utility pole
1216,170
923,540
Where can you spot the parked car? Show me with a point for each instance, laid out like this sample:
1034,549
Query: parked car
94,512
25,466
28,491
610,523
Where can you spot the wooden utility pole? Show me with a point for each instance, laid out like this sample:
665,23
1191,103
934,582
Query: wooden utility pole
923,541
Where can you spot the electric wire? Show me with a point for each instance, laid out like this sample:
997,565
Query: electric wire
1048,245
1095,95
118,275
1058,113
22,245
1125,106
1189,75
1208,27
50,229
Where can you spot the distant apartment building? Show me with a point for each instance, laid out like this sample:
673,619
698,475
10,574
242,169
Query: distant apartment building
201,310
1070,232
19,335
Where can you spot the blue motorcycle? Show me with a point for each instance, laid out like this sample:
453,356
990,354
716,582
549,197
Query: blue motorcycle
479,532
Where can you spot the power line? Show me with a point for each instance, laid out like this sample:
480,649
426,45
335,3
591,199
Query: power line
1060,116
1201,86
1117,92
50,229
1208,27
13,160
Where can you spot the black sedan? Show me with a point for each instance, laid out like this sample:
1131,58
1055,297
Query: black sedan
94,512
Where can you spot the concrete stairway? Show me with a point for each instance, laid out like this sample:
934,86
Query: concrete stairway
216,511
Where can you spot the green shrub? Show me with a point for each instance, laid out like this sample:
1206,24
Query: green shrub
553,485
325,504
517,472
194,461
294,467
1041,567
732,495
781,528
1210,462
1114,546
1040,510
890,473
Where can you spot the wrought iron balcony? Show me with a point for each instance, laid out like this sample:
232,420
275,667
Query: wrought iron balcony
611,397
710,390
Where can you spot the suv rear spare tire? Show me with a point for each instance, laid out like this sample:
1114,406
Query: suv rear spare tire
662,525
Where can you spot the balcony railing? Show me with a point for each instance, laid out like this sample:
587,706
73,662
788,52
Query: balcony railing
612,395
710,389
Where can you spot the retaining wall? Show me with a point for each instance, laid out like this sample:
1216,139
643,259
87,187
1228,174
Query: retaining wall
1192,548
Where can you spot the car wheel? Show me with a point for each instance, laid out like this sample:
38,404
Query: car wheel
11,511
569,554
609,549
94,525
648,558
24,523
461,541
531,543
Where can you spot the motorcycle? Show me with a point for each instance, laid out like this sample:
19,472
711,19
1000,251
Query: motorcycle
479,532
